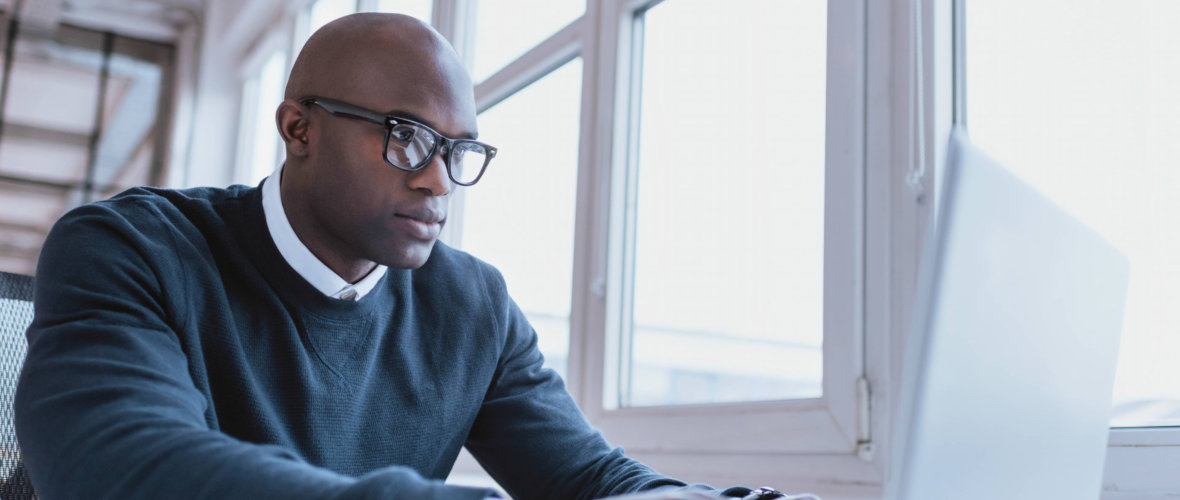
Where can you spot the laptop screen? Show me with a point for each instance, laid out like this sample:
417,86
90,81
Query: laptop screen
1010,362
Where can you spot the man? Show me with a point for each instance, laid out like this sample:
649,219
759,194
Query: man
307,338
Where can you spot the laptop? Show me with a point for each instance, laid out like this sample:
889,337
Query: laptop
1010,363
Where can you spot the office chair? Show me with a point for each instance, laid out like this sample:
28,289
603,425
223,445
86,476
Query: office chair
16,312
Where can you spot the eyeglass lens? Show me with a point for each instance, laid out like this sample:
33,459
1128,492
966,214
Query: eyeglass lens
410,146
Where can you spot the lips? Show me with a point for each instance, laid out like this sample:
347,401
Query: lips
425,216
421,224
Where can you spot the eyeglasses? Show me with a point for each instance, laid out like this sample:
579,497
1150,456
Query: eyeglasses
410,145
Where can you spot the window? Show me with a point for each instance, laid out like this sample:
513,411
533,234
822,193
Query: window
615,253
1092,121
81,120
728,207
1078,99
678,206
259,145
532,185
506,29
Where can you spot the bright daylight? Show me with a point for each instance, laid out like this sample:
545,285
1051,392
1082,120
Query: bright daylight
589,249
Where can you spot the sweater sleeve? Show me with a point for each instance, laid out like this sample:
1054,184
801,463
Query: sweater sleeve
106,407
530,435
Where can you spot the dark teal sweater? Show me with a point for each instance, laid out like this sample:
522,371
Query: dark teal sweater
175,354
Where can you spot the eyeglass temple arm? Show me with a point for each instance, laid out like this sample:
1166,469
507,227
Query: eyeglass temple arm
347,110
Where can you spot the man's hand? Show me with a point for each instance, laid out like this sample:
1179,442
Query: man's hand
671,494
678,494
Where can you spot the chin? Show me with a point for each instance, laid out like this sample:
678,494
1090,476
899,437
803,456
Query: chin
410,257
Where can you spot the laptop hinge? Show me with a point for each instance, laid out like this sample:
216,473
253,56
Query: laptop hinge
864,436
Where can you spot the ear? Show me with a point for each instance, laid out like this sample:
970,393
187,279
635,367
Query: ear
291,117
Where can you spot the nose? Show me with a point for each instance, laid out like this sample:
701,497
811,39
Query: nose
433,178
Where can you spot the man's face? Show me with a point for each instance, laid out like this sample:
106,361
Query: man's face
365,208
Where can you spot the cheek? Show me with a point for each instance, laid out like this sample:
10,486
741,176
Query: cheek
353,169
357,197
340,192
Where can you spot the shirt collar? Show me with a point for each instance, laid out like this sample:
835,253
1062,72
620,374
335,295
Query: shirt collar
300,258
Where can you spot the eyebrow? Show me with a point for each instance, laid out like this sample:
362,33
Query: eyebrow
397,113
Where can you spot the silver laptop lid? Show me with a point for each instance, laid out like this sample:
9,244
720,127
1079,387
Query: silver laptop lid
1010,364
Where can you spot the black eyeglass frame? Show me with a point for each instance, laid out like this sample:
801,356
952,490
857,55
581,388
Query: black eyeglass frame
343,109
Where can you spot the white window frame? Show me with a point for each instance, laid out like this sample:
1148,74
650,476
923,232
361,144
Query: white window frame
1141,464
831,425
824,441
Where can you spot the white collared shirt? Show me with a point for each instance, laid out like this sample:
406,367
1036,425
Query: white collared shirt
300,258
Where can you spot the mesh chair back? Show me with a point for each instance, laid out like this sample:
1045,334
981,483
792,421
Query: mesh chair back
16,312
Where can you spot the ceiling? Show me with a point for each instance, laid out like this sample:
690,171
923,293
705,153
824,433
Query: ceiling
164,10
149,19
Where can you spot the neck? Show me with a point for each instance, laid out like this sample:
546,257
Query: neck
350,268
322,244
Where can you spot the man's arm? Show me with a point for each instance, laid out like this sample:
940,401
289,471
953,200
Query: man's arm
106,407
531,436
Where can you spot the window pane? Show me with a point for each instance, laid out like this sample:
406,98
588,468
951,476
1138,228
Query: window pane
131,151
505,29
326,11
1080,99
520,217
262,94
728,252
49,117
56,150
417,8
48,123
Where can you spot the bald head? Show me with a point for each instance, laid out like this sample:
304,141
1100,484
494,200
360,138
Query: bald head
365,56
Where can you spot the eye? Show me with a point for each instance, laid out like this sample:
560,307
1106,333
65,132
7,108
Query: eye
403,134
